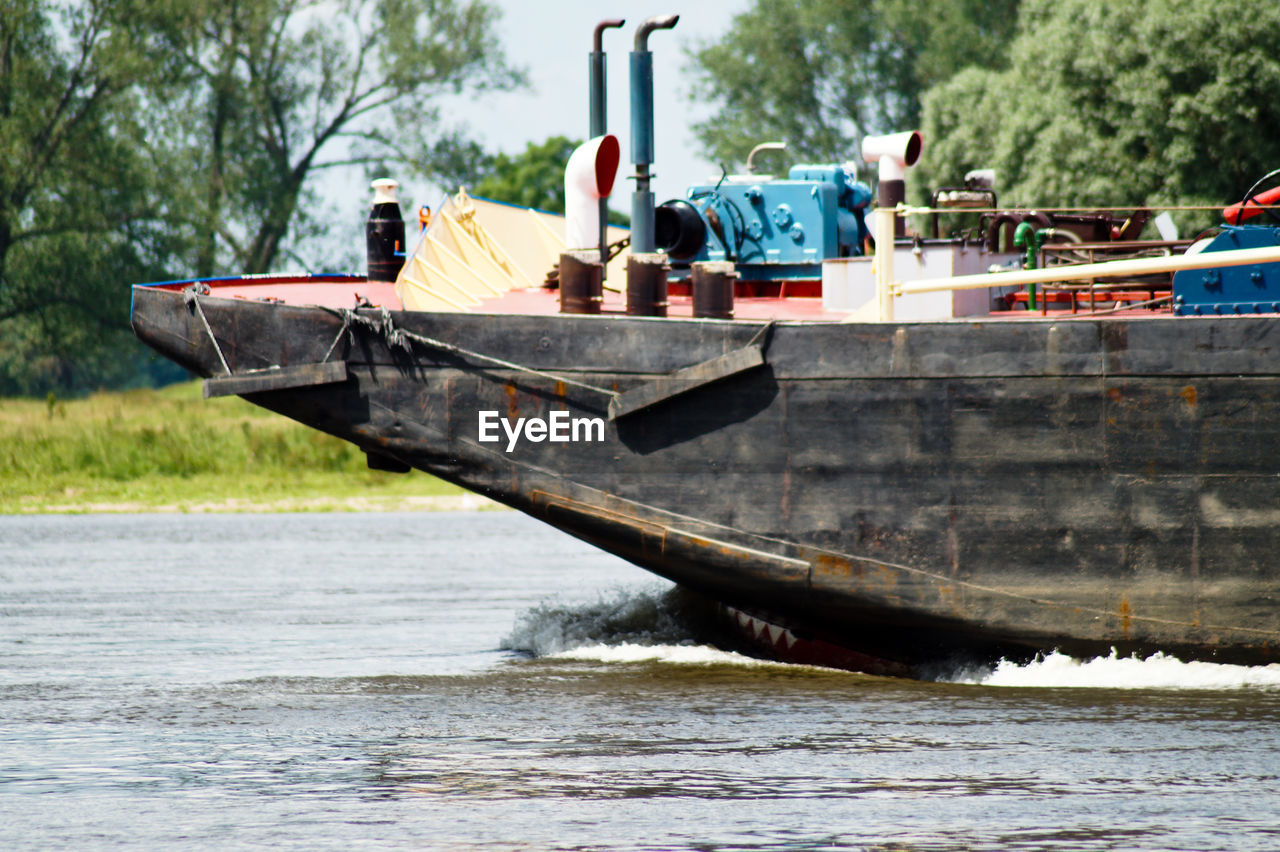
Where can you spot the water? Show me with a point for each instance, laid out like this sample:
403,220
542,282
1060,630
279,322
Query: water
340,681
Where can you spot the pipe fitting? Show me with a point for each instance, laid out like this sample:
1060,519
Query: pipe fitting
763,146
597,39
657,22
893,153
588,179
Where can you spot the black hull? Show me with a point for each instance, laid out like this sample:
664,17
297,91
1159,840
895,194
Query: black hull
909,493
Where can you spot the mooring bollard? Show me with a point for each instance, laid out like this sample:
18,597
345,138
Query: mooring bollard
581,282
647,285
713,289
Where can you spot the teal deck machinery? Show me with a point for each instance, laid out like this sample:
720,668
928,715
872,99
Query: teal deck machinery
770,229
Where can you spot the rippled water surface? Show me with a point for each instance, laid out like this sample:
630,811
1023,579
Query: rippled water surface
366,681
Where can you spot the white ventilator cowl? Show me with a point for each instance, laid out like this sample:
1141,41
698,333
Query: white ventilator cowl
588,177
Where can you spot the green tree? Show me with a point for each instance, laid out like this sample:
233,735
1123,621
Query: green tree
77,213
820,74
532,178
148,139
279,92
1128,102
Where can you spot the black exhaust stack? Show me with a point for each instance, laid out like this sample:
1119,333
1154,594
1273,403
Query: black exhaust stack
384,233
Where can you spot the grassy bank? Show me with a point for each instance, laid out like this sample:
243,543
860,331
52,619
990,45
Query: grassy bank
171,450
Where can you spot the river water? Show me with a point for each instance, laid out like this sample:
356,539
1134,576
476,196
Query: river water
479,681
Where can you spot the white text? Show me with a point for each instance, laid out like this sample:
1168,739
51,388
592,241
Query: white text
558,428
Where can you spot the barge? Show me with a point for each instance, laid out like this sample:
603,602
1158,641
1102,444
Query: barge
865,448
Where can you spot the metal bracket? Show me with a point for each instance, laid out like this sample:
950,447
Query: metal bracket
687,379
276,378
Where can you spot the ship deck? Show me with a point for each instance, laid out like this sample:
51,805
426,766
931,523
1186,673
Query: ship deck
347,291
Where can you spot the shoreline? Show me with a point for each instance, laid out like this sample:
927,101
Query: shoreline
170,451
427,503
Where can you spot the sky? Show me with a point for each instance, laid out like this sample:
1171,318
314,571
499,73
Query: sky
552,41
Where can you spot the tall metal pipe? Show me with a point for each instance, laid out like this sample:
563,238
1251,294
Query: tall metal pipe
642,239
599,112
596,78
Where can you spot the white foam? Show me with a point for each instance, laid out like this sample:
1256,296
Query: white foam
624,618
1158,671
683,655
648,626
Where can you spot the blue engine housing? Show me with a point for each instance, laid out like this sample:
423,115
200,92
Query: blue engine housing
1231,289
770,229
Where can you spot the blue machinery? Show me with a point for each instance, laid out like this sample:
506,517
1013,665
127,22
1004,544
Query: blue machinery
1250,289
770,229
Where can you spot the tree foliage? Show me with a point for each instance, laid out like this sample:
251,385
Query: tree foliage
78,216
820,74
532,178
1128,102
280,91
150,139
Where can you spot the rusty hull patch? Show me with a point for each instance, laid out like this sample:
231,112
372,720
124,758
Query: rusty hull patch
661,544
850,575
1126,616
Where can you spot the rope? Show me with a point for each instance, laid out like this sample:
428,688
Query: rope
403,339
192,297
764,329
346,326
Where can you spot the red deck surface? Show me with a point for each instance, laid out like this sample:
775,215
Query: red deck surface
346,291
329,291
540,301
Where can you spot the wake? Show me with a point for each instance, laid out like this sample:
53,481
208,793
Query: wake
667,627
